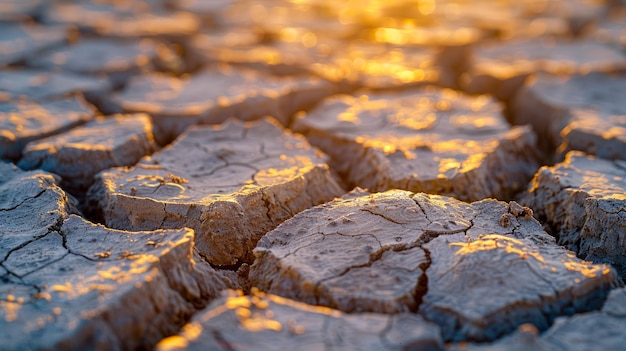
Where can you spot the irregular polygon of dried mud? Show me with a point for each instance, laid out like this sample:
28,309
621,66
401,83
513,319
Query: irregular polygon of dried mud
431,140
230,183
595,132
66,283
581,112
584,200
78,154
598,330
24,121
39,85
347,255
122,20
532,280
21,41
31,206
501,68
268,322
477,270
214,95
118,59
82,285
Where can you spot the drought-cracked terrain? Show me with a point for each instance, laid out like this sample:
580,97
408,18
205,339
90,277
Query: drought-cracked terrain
312,175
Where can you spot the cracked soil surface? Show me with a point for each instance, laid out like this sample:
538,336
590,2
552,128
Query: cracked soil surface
312,175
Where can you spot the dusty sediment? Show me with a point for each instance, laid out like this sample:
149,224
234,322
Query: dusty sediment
583,200
230,183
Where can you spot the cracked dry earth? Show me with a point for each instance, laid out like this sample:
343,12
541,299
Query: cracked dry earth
315,175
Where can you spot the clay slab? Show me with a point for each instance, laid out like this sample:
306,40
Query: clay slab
264,321
40,85
430,140
581,112
21,41
230,183
477,270
214,95
78,154
501,68
24,121
583,200
118,59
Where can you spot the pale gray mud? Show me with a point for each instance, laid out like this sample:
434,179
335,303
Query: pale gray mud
312,174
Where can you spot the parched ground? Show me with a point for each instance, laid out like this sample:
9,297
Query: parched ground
312,175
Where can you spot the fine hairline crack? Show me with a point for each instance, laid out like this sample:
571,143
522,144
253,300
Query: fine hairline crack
24,201
427,236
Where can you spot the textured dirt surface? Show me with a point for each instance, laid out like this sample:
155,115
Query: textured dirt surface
583,199
594,330
26,121
68,283
478,270
580,112
214,95
40,85
80,153
265,321
500,70
312,174
19,41
431,140
231,184
117,59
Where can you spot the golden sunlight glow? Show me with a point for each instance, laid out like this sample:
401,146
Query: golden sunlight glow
192,331
294,167
10,310
415,64
175,342
497,242
586,269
